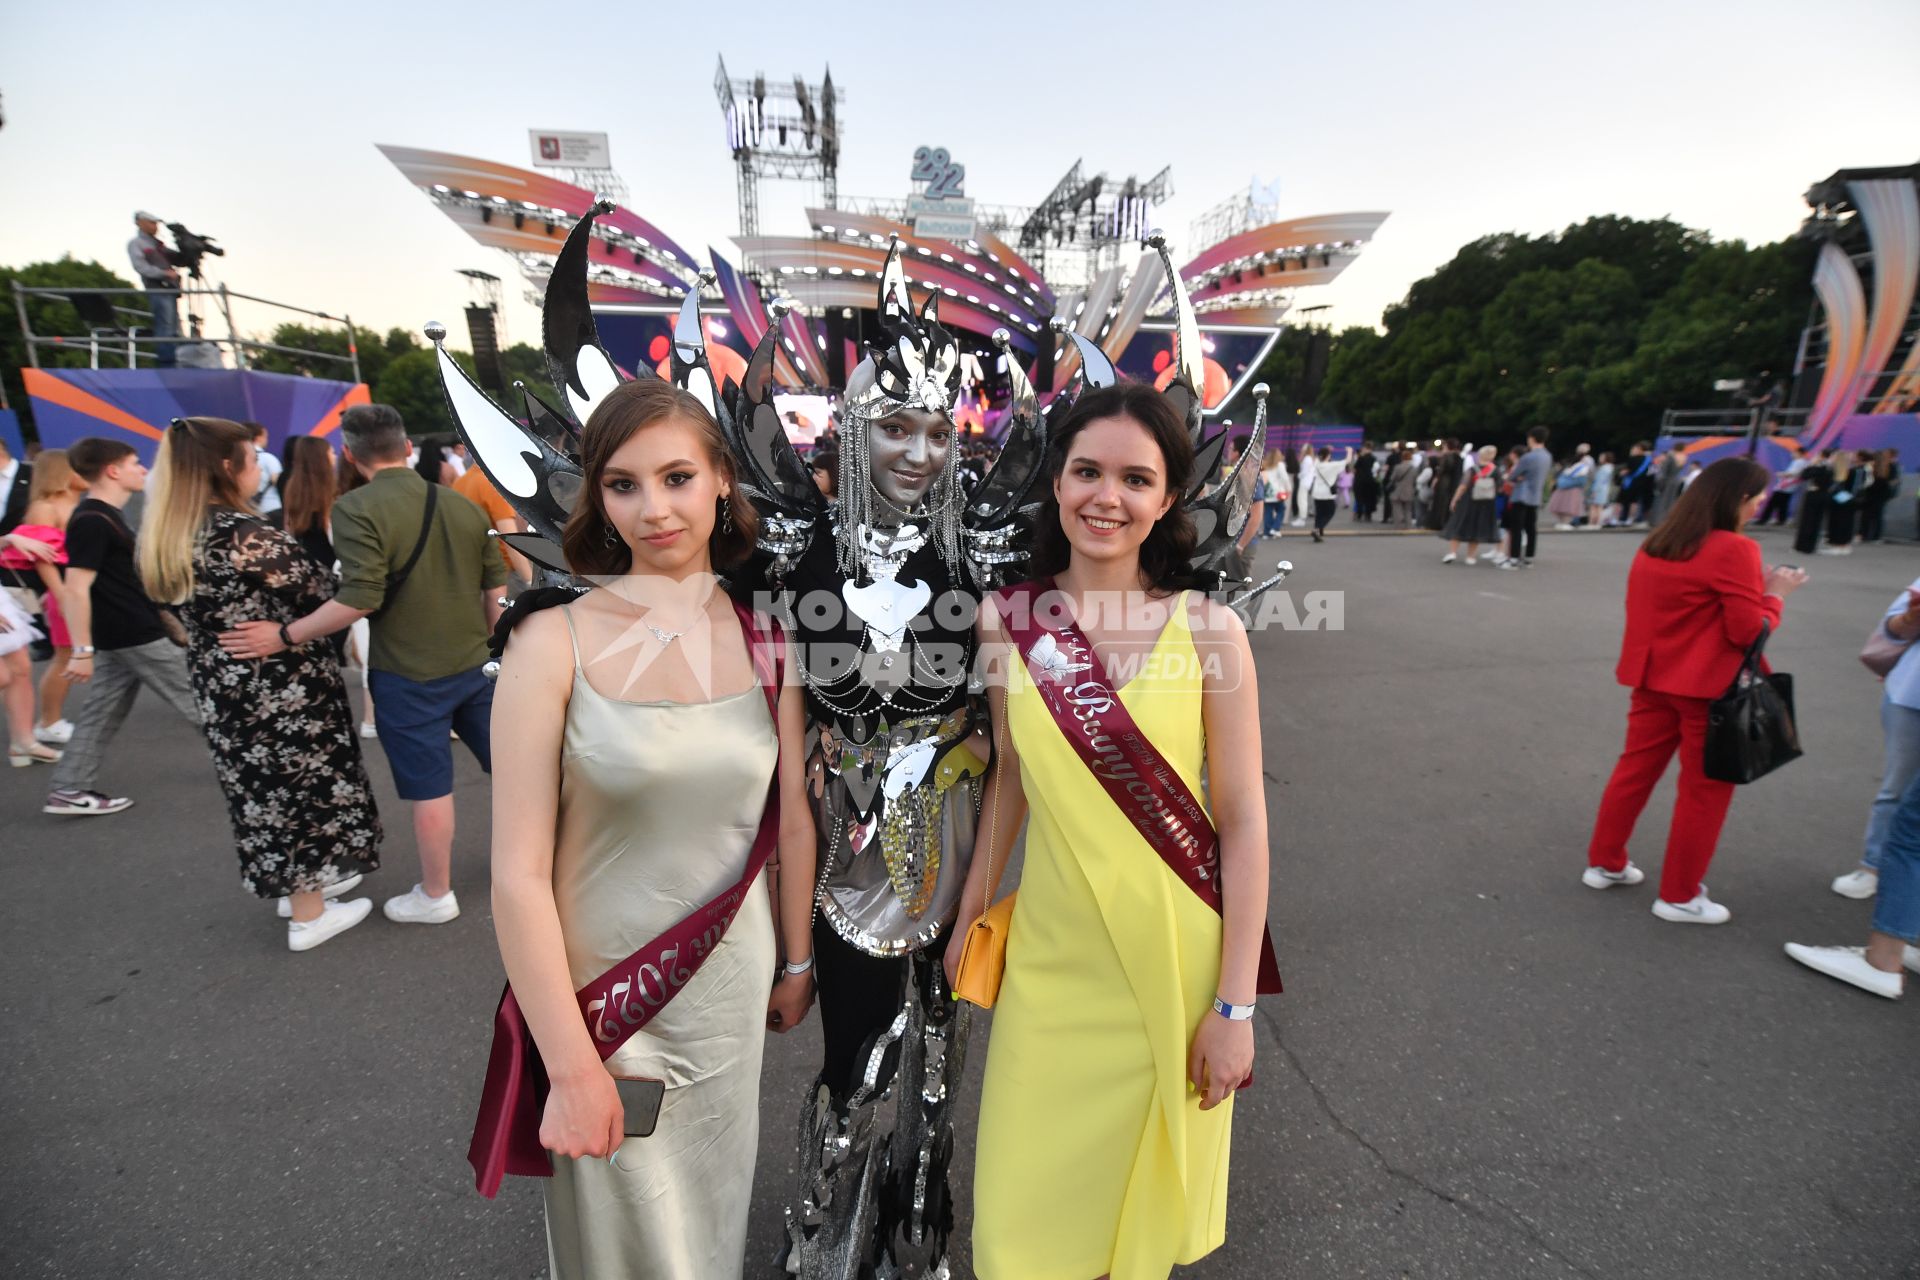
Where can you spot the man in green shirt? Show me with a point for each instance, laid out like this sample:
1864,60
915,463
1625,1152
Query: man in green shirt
416,560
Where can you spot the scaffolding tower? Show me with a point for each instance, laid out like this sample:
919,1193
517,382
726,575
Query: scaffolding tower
1077,232
775,130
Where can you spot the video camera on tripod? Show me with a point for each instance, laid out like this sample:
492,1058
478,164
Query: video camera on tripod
190,247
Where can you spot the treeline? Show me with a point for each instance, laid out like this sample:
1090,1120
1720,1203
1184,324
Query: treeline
1591,332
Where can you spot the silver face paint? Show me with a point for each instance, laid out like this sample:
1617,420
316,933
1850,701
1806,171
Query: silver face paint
908,451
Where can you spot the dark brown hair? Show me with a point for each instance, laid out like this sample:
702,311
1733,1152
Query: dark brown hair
93,455
629,408
1169,545
307,496
1711,502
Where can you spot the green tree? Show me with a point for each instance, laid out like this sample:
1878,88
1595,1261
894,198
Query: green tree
376,352
411,384
1591,332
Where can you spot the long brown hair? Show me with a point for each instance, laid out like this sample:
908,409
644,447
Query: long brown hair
629,408
1170,543
1713,501
308,496
196,469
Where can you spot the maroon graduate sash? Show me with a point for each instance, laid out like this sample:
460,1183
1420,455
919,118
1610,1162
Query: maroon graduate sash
1149,791
506,1133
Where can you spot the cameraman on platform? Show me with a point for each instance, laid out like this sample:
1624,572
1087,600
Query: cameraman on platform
155,269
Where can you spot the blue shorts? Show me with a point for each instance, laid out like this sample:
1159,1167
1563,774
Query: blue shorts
415,718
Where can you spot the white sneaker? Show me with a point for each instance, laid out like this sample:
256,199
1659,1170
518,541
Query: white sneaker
1449,558
1849,964
1861,883
1702,910
368,729
415,907
1562,527
57,734
334,890
1471,560
1601,878
334,917
1910,957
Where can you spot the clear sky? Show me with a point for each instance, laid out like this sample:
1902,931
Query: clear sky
256,122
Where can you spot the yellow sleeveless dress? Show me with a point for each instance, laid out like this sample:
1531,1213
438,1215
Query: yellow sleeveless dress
1094,1156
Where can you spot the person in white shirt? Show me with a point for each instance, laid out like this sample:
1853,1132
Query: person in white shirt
1279,492
267,500
1320,481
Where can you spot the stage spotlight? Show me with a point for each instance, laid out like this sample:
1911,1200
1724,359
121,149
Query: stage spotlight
486,213
519,219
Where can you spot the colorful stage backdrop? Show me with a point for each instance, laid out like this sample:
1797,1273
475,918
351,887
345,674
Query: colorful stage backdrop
1900,431
137,404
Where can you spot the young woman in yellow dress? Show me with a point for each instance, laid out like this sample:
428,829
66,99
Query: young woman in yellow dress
1122,1027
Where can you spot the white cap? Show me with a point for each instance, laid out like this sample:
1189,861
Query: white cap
141,215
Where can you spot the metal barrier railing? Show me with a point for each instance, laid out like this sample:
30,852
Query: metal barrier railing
103,315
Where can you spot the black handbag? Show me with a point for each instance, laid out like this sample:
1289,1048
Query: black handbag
1750,727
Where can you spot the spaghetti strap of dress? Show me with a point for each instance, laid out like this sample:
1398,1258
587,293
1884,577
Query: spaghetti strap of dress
573,638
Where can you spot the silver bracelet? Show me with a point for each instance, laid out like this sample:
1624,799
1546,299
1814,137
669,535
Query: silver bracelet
795,970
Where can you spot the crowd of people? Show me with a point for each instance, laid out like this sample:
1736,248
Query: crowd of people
1486,498
662,738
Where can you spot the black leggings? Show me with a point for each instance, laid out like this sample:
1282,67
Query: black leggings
1323,509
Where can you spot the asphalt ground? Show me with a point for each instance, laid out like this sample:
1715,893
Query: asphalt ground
1479,1069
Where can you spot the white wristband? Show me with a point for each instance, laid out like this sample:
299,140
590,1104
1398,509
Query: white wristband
796,970
1232,1012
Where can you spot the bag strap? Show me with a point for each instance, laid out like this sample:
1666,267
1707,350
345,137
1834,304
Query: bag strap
1752,660
993,805
398,579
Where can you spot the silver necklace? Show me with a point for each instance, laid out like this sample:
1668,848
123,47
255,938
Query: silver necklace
664,636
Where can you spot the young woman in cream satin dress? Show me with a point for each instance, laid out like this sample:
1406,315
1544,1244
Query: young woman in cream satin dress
1106,1121
634,749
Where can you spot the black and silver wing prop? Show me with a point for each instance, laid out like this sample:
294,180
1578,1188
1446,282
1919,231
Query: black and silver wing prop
998,522
540,481
1220,514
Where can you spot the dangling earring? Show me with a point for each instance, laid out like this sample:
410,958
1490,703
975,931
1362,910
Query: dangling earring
612,538
726,514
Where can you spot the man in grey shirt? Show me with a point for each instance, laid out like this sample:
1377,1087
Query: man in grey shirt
1523,504
162,282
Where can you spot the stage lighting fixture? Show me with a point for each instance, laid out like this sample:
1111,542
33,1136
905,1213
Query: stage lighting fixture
550,227
519,219
486,213
637,259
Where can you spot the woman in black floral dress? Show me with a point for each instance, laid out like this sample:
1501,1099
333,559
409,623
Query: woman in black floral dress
280,728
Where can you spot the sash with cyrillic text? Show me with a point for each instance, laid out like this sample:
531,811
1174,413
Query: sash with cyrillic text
1072,683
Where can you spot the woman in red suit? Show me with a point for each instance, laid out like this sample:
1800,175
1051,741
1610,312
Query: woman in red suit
1697,597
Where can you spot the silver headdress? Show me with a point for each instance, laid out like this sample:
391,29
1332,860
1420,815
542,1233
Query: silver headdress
916,365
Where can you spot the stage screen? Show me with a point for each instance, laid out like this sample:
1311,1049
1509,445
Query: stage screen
1232,354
